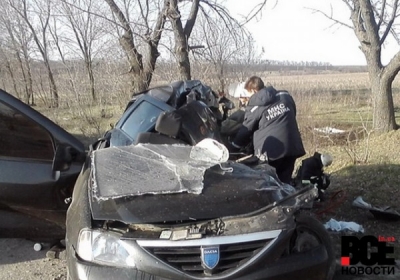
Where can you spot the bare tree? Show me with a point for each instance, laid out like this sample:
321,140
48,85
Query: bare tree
69,30
58,44
142,63
182,16
8,65
226,49
372,22
216,13
20,38
43,12
86,30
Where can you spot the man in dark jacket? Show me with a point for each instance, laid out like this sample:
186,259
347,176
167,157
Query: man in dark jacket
271,119
312,170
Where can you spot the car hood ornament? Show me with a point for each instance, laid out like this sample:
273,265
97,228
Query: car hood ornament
210,257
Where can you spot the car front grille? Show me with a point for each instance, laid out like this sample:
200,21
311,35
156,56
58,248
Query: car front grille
188,259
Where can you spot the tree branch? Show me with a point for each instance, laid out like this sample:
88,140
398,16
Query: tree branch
348,5
155,39
393,67
192,18
255,11
390,23
382,13
330,17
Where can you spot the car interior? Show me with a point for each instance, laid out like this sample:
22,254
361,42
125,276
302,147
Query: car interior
167,129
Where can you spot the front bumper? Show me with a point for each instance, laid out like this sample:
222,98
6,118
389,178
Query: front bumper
267,265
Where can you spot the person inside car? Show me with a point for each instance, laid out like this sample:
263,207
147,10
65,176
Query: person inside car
270,121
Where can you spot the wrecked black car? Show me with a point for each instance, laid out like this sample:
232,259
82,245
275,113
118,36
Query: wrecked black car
152,201
186,121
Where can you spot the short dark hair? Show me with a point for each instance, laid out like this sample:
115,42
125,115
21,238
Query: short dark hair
254,82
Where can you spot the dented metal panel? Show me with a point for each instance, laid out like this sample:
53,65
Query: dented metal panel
194,190
148,169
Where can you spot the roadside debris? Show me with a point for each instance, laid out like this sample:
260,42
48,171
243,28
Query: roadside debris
381,213
37,247
329,130
56,252
334,225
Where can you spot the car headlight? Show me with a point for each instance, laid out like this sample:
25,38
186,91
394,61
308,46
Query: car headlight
104,248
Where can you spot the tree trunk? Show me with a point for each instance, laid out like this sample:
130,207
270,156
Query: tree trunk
182,56
89,68
135,59
21,66
220,75
53,87
8,66
140,82
382,101
181,41
30,82
91,80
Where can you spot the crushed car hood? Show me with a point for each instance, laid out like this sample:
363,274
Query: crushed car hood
164,183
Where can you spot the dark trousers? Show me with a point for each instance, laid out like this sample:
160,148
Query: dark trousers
284,168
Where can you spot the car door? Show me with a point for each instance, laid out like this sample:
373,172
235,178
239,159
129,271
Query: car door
39,161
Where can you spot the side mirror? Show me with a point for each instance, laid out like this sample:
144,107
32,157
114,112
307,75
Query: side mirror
62,158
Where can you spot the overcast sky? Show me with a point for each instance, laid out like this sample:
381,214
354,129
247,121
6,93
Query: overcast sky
289,30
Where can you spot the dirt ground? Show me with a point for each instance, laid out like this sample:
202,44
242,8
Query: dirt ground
376,185
338,205
19,261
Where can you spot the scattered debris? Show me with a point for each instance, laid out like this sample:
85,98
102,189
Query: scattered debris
60,277
37,247
329,130
334,225
56,252
381,213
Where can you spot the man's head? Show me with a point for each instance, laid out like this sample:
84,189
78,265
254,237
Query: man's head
253,85
326,159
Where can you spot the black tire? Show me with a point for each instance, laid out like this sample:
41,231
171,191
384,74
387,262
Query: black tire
312,231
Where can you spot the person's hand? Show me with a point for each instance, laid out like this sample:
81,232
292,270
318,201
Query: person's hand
221,93
232,148
326,181
243,101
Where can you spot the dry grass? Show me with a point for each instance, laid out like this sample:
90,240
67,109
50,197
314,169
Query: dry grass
322,83
86,120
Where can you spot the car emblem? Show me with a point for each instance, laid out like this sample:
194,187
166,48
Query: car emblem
210,256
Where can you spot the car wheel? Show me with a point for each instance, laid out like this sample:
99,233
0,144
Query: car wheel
311,233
